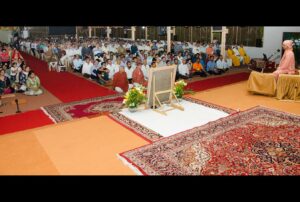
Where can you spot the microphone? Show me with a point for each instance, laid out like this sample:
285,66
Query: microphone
17,103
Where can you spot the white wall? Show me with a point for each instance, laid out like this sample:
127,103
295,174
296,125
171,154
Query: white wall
272,41
5,36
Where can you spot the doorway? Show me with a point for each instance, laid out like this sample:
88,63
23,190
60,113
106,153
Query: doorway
217,36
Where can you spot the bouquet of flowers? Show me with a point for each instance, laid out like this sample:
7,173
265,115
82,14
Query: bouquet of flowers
179,88
134,97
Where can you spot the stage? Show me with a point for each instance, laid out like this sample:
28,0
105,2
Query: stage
153,125
176,120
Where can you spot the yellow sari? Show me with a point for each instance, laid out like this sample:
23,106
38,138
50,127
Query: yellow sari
235,59
243,54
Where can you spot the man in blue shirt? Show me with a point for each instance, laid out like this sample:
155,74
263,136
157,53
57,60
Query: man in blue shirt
134,49
77,63
211,67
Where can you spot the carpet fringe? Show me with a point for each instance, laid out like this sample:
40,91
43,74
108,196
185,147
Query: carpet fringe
50,117
130,165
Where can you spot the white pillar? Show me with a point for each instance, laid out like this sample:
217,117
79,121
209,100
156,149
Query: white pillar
211,35
133,33
90,32
146,33
76,35
236,34
169,39
108,32
191,34
223,40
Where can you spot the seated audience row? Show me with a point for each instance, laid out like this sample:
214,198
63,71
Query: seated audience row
101,60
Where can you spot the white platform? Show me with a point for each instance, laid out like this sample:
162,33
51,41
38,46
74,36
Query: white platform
176,121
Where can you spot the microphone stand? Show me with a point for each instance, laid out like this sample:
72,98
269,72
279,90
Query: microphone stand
1,104
17,103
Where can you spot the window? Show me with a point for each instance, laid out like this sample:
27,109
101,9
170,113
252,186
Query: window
216,29
248,36
295,37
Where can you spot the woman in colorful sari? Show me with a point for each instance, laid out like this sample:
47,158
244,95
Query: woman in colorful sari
23,75
16,55
287,62
233,57
244,55
4,57
33,84
5,87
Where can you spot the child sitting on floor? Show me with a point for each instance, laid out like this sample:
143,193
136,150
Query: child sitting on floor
33,84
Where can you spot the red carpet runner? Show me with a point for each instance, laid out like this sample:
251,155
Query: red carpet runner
217,81
23,121
64,85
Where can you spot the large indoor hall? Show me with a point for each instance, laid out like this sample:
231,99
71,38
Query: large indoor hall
150,100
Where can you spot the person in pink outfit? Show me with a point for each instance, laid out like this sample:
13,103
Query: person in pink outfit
287,62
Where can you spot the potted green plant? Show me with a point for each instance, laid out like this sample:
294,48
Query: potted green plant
134,97
179,88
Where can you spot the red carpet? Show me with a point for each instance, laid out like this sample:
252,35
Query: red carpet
64,85
89,107
259,141
217,81
23,121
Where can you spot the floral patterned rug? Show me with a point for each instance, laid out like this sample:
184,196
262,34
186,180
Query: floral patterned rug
259,141
150,135
99,105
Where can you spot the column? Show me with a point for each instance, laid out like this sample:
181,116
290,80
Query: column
146,33
211,35
191,34
108,32
169,39
133,33
90,32
223,40
76,35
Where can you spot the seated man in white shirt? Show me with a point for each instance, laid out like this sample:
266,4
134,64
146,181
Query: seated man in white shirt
62,63
77,63
87,67
183,70
196,49
222,64
202,48
145,69
162,63
112,69
95,67
97,50
105,48
134,62
149,59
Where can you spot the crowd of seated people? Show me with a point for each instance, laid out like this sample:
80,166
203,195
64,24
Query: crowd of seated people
15,75
101,59
238,55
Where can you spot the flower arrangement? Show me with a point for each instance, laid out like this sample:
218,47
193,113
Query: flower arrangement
179,88
134,97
